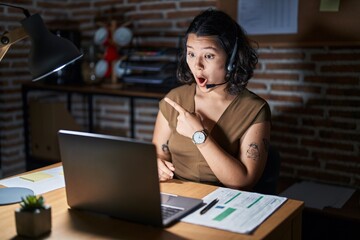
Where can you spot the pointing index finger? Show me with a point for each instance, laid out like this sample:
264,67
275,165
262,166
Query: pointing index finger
176,106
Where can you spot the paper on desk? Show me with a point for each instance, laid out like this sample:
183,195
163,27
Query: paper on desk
318,195
236,211
40,182
37,176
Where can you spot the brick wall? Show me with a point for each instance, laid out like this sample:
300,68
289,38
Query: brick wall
313,91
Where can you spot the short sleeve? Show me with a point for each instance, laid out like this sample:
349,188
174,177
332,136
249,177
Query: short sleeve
264,114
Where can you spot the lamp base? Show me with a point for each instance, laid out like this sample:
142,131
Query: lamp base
12,195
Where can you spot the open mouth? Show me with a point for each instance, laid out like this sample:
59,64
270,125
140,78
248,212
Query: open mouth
201,80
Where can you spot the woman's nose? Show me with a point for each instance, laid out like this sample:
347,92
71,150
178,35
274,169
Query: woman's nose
198,63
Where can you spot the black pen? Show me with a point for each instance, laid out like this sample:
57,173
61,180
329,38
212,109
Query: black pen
210,205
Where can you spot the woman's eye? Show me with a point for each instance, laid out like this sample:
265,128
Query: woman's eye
190,54
209,56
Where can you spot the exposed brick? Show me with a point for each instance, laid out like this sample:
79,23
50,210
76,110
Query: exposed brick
85,12
348,92
329,123
291,66
109,3
183,23
341,68
345,47
51,5
352,114
304,111
197,4
254,85
333,102
140,1
314,143
336,57
275,76
283,119
293,46
182,14
332,79
158,6
296,88
300,162
293,151
84,4
280,137
284,98
345,159
267,56
144,16
296,131
161,24
336,135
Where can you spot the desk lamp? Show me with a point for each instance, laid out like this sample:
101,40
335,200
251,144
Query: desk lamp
49,53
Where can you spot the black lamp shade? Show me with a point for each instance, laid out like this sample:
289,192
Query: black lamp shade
49,53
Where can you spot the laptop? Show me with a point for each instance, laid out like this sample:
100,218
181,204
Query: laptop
118,177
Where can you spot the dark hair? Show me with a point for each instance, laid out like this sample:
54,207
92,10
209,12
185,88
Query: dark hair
227,31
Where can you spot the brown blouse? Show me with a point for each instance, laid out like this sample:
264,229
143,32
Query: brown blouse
246,109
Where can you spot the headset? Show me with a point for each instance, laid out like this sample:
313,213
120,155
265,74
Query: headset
230,67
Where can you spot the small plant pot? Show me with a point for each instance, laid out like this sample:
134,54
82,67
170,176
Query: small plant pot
33,224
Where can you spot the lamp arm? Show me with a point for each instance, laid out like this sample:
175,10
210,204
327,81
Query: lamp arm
25,11
9,38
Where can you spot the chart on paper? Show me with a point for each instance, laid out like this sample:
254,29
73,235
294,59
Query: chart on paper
236,211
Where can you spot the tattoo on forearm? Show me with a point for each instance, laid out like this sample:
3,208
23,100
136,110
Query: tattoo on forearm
266,144
253,152
165,147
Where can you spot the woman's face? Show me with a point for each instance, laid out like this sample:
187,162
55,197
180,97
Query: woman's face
206,60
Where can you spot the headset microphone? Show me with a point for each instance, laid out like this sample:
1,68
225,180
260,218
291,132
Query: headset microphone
214,85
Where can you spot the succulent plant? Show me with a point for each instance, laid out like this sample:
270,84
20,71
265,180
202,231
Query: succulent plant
31,203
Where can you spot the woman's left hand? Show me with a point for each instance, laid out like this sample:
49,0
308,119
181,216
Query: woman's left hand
187,123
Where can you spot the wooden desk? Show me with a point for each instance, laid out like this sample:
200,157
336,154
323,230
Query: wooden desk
285,223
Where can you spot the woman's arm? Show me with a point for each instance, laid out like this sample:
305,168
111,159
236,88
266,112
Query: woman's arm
241,172
160,140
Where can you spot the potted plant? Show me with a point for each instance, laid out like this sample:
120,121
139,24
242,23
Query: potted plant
33,218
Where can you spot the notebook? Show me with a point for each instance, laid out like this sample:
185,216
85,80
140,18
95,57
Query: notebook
118,177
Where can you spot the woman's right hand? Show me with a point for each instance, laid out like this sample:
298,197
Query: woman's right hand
165,170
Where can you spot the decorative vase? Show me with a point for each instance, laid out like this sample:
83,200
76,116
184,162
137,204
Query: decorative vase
33,224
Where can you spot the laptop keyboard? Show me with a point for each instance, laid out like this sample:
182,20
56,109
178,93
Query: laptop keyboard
169,211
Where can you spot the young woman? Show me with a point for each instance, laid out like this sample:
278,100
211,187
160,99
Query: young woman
213,129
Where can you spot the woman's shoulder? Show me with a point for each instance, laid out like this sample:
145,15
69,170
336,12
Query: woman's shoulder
181,91
251,97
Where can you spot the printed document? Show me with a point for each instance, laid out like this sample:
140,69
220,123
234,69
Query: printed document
236,211
40,182
268,17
